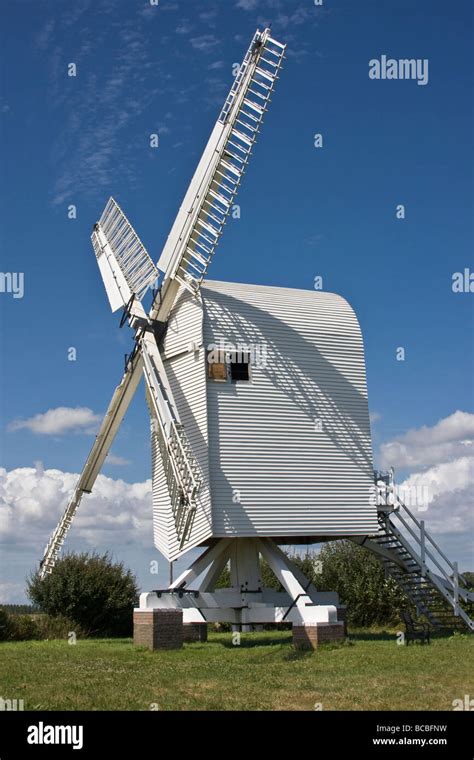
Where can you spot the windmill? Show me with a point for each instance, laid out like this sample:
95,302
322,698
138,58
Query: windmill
260,431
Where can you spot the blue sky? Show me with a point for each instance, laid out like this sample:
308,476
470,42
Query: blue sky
304,212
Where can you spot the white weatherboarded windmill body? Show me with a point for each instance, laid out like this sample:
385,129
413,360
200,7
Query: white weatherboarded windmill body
260,428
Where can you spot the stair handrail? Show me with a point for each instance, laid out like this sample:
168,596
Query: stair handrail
390,488
427,537
451,596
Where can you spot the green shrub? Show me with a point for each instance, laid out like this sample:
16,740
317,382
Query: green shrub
24,628
58,627
95,593
6,625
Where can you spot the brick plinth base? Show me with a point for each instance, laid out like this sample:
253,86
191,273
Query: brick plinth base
311,636
158,629
195,632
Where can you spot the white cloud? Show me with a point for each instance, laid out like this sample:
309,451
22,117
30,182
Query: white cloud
450,438
32,502
116,460
440,486
63,419
448,489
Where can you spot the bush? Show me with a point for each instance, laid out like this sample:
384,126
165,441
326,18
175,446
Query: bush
24,628
38,627
58,627
17,627
6,625
94,593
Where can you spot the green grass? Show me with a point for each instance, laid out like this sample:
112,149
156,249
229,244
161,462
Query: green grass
263,673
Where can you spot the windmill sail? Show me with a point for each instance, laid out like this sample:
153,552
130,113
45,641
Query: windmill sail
107,432
181,469
200,221
123,260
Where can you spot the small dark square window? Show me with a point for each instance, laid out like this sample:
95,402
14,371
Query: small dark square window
240,371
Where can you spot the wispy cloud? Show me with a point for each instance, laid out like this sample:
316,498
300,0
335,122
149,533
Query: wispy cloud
215,91
205,43
246,5
299,15
149,11
315,239
168,5
208,16
58,421
46,33
184,27
91,153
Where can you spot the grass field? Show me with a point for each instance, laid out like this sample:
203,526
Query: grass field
371,672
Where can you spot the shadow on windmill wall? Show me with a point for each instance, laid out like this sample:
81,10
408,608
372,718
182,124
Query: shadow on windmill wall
290,369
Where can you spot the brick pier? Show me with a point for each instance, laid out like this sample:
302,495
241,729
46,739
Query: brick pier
312,635
158,629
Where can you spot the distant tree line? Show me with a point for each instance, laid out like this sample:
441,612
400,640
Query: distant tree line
20,609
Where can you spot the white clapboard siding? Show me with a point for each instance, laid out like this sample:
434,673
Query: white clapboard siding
184,361
272,473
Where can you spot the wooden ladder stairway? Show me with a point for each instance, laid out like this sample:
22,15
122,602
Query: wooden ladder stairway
415,561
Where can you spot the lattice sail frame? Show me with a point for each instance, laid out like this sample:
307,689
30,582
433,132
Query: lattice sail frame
125,265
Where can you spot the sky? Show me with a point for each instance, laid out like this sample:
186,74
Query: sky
382,212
